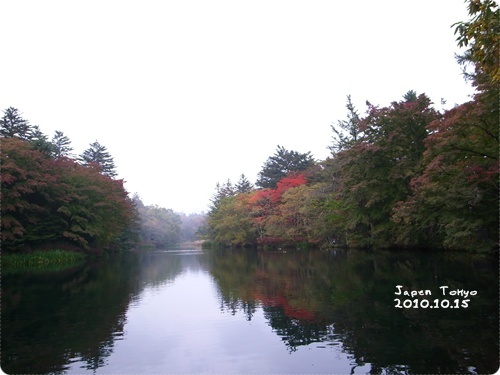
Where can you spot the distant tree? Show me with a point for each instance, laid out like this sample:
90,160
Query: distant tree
190,225
61,145
159,226
156,226
138,203
97,154
243,185
281,164
346,132
13,125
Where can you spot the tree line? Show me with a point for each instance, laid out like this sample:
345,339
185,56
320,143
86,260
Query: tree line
51,198
404,175
162,227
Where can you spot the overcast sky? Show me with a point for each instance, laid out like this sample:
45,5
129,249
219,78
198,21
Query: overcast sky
185,94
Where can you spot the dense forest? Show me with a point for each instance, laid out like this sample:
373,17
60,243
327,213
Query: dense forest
404,175
52,199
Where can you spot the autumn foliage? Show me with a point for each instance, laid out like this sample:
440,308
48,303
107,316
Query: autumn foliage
404,175
47,200
257,217
413,177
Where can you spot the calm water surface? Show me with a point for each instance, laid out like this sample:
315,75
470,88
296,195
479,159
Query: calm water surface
247,311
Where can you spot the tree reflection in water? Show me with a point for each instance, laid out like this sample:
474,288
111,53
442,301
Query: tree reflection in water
338,299
49,318
346,298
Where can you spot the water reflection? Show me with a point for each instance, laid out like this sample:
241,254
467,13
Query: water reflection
349,296
237,311
49,318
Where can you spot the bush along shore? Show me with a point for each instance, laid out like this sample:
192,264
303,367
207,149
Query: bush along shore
42,260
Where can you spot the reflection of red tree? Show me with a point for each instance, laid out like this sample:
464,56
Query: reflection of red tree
290,311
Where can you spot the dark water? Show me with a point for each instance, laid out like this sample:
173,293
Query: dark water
249,312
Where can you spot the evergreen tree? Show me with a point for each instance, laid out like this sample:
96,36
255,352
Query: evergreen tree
243,185
410,96
222,191
347,132
97,154
281,164
138,203
61,145
39,141
13,125
375,174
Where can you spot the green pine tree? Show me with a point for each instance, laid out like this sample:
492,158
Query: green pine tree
281,164
97,154
13,125
243,185
61,144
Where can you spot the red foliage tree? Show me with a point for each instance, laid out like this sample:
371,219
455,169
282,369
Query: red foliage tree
290,181
46,200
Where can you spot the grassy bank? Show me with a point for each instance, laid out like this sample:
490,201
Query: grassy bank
48,260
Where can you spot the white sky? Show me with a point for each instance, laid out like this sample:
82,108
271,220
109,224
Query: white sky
188,93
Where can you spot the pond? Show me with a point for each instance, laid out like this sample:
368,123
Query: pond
249,311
